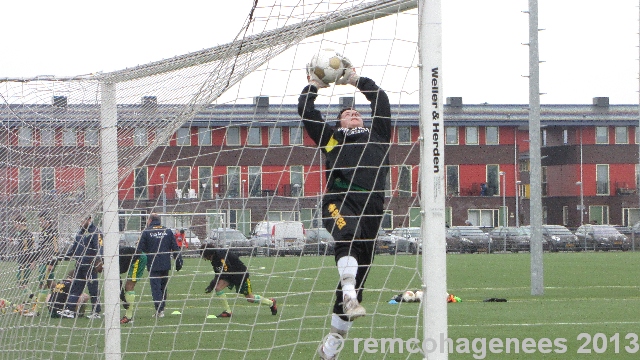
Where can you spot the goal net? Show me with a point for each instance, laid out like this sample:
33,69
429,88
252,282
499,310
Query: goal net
213,143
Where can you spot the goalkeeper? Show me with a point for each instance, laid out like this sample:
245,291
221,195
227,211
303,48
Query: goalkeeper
133,265
356,159
231,273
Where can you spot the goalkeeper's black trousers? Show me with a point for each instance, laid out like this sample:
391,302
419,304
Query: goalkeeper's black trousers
353,219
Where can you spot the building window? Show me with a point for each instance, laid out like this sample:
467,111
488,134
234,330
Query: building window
25,136
296,175
275,136
453,185
92,183
295,135
184,180
493,137
404,134
233,181
47,180
204,136
47,137
140,183
25,181
602,135
204,179
637,135
523,165
140,136
183,137
69,137
493,180
404,181
565,136
602,179
255,181
622,135
565,215
233,135
160,134
451,135
483,217
599,214
543,134
471,135
91,137
254,136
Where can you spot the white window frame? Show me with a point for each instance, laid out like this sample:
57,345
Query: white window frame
140,136
232,137
49,135
606,135
25,136
181,139
295,135
204,136
469,135
622,135
91,137
251,133
275,135
489,129
449,132
404,134
69,137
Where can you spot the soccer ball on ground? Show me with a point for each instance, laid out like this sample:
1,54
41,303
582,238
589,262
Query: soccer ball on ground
408,296
327,65
419,295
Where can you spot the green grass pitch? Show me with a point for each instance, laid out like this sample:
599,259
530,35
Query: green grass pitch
592,293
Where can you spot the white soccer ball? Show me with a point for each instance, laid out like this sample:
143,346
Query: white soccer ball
419,295
408,296
327,65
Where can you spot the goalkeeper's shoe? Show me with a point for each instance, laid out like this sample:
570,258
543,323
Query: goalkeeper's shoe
352,308
125,320
225,314
274,307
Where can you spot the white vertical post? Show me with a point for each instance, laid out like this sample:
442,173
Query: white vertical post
109,159
515,176
537,286
432,189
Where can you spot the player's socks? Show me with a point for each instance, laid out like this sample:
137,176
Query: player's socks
130,297
348,268
223,297
262,300
40,299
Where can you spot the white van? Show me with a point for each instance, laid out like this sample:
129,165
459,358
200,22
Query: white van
279,237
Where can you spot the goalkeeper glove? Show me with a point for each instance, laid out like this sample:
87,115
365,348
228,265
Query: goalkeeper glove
179,263
349,77
314,79
212,285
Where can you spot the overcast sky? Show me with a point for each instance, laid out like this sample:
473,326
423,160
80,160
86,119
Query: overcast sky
589,47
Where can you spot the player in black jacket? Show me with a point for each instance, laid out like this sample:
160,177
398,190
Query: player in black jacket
357,165
160,245
231,273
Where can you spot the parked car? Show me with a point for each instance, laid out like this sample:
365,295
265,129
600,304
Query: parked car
559,238
227,238
511,238
385,243
460,244
407,239
480,239
602,237
318,241
279,237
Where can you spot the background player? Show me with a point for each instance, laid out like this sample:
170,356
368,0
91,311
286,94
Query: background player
231,273
133,264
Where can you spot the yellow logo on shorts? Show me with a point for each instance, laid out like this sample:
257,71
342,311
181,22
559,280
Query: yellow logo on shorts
340,222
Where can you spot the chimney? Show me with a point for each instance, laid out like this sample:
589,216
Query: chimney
454,101
60,101
261,103
347,102
601,101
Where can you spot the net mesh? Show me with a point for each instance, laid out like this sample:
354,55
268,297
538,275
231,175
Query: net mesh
210,139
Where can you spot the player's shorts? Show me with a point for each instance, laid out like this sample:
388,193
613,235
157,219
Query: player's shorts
244,288
44,274
136,269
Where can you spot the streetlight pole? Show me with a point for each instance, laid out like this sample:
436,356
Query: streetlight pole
164,195
504,198
518,203
579,183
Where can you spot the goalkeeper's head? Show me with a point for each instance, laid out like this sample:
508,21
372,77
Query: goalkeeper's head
350,118
208,251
